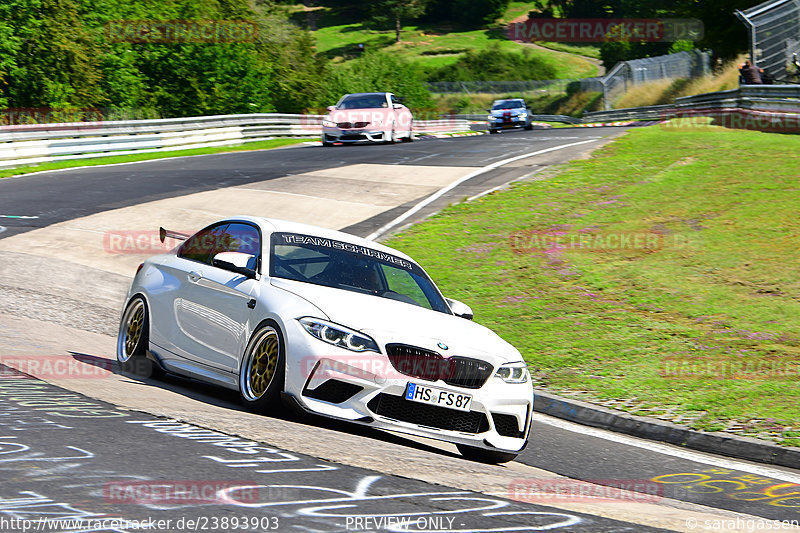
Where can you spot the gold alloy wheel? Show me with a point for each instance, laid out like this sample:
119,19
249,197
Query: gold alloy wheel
134,328
262,363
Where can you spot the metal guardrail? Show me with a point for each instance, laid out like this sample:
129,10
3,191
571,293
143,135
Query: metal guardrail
38,143
778,99
481,117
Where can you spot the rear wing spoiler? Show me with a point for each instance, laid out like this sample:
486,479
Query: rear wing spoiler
164,233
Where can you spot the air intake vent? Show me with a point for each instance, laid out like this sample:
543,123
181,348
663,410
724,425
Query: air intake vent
333,391
398,408
507,425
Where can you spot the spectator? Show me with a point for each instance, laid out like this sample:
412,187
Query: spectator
750,74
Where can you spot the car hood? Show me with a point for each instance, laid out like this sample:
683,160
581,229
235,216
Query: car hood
390,321
501,112
375,117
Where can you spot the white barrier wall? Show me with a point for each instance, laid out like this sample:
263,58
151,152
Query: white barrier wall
39,143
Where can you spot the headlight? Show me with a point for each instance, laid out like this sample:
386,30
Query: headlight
523,115
490,118
329,123
339,335
513,373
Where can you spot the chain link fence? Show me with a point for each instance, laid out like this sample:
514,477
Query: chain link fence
499,87
775,37
624,74
638,71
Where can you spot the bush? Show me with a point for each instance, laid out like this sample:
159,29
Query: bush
377,71
495,64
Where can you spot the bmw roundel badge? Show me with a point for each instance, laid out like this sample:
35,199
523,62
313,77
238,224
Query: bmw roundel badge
442,345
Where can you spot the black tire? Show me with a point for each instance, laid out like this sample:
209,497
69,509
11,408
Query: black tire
133,341
485,456
263,368
492,131
410,137
529,127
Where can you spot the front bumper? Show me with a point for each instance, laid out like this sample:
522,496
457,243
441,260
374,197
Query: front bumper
513,122
365,388
337,135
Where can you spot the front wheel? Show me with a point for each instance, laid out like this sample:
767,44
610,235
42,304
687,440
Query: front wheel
485,456
410,134
261,374
134,339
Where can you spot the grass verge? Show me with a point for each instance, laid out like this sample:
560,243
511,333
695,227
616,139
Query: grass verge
110,160
659,276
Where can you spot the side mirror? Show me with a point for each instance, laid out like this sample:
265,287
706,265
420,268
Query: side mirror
460,309
236,262
331,108
397,106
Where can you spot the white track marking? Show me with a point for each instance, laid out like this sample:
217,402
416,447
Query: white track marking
667,449
18,216
441,192
2,229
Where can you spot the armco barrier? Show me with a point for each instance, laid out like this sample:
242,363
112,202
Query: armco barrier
481,117
776,99
38,143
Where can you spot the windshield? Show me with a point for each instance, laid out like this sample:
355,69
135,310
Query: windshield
354,268
508,104
363,101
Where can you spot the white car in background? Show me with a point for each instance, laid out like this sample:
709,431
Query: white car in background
367,117
335,324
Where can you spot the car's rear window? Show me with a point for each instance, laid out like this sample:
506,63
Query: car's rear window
352,267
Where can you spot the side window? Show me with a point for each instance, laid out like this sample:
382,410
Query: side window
401,282
242,238
203,245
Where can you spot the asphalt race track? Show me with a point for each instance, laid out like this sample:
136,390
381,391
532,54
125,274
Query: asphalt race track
76,447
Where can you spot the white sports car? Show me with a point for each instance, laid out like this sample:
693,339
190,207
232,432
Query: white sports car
335,324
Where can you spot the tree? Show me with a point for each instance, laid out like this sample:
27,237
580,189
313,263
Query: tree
397,11
379,72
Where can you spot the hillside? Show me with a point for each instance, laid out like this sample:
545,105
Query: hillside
430,46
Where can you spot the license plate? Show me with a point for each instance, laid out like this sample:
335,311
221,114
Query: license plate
440,397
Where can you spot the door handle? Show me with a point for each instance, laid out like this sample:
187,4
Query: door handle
194,277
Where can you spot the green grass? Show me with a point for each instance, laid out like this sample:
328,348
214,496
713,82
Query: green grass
587,50
431,47
56,165
684,324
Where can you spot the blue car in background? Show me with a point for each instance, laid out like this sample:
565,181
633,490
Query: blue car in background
509,113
